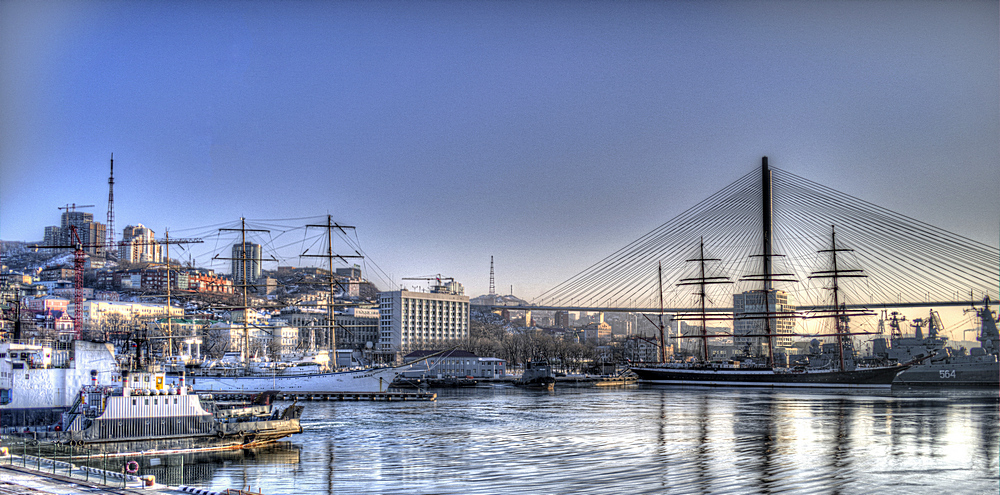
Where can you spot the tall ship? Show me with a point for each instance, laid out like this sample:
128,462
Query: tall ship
766,319
978,367
830,365
146,415
245,378
43,378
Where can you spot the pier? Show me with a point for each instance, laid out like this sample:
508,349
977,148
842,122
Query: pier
336,396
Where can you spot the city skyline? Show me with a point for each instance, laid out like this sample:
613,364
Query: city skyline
545,135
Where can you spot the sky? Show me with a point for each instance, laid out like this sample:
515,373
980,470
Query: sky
546,134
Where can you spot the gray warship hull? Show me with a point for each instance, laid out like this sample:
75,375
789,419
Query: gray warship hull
951,375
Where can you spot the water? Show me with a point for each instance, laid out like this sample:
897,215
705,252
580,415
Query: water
501,439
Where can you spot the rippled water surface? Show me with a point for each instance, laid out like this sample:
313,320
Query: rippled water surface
501,439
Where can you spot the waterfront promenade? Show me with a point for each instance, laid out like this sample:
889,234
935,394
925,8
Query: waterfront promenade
16,480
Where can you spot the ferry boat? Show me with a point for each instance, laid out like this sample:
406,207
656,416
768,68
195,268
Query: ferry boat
145,415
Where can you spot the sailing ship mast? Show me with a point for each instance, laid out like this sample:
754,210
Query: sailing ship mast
244,282
835,275
331,280
701,281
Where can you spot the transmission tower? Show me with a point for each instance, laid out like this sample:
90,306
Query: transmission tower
111,210
493,287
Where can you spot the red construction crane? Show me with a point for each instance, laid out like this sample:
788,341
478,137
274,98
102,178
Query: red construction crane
79,258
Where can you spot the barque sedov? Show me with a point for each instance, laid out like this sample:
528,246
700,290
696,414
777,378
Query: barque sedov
145,415
829,365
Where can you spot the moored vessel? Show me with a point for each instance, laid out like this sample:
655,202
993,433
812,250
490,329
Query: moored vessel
978,367
537,374
348,381
146,415
45,376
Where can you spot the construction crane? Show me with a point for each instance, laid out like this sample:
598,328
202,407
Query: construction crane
79,258
438,287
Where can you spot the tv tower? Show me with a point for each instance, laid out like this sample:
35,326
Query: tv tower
111,211
493,287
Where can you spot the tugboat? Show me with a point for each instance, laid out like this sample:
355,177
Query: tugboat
537,374
958,369
147,416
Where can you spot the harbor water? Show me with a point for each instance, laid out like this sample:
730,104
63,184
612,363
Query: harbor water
501,439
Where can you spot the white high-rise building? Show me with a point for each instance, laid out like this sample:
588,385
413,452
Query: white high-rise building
410,321
139,246
750,332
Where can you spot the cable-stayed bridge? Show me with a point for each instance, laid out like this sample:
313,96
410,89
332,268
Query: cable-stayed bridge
774,228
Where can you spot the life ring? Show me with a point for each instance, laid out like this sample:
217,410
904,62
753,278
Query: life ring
131,467
222,434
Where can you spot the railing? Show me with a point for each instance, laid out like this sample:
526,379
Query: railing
69,461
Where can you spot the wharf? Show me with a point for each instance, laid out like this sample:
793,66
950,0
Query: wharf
15,480
338,396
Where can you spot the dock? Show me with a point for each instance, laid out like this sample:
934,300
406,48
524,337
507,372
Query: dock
418,396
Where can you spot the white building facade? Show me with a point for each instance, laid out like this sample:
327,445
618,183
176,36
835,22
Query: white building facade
410,321
750,314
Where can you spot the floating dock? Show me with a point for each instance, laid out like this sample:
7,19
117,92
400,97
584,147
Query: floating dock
338,396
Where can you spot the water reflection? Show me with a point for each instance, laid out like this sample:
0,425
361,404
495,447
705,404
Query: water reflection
201,468
640,440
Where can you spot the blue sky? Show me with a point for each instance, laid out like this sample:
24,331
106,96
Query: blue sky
545,134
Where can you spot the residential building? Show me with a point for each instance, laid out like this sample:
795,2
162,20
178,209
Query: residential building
750,313
562,319
91,233
139,246
46,304
357,328
597,332
94,311
246,263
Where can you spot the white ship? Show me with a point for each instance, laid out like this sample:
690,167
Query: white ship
364,380
45,379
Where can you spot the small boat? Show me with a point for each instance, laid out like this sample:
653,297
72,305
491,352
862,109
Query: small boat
537,374
146,415
626,378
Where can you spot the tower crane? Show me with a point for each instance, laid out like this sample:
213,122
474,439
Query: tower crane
79,258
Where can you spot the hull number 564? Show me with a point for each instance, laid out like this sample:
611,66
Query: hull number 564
947,373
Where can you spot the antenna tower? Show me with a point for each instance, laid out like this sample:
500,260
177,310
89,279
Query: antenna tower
111,210
493,287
